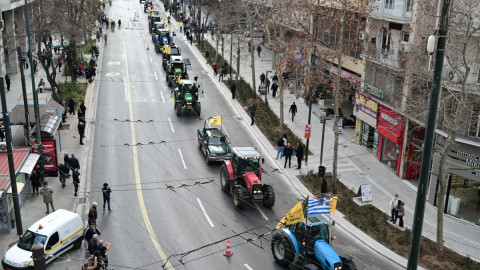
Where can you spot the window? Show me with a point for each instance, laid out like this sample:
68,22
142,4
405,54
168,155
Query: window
52,241
405,36
385,40
409,5
389,4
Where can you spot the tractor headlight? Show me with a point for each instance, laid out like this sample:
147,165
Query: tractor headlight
189,103
339,267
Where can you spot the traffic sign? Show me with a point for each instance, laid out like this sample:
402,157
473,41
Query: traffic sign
307,131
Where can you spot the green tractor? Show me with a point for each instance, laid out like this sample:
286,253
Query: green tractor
186,95
152,23
175,68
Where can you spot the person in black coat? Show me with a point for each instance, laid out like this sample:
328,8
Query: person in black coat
71,105
7,81
81,129
233,88
262,78
323,187
299,155
293,110
74,164
288,155
62,173
274,89
35,179
83,108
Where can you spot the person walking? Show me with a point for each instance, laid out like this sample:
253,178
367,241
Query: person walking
323,187
400,213
81,129
180,24
288,152
299,155
83,108
233,88
92,214
35,179
106,190
253,109
67,161
259,49
74,164
62,173
274,89
76,181
71,105
214,66
207,55
59,64
262,78
280,148
293,110
47,192
7,81
393,206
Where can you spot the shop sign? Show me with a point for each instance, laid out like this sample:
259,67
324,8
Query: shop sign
373,90
366,109
471,160
390,124
346,75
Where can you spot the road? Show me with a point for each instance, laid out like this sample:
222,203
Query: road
166,201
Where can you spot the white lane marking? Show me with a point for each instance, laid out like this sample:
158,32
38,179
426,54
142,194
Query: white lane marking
171,126
181,156
143,36
261,212
163,99
247,266
205,212
150,59
156,78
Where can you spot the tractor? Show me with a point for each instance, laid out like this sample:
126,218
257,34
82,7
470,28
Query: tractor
161,36
310,242
241,176
170,50
146,4
175,68
152,23
186,95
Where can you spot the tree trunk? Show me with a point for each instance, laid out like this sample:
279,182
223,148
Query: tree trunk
223,49
282,88
238,59
216,51
252,55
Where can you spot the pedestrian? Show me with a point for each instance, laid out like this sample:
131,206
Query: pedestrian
47,192
71,105
81,130
92,244
92,214
41,84
74,164
293,110
252,109
89,232
7,81
207,55
102,249
105,37
86,264
280,148
2,135
92,61
59,64
35,179
233,88
275,78
67,161
262,78
400,213
393,206
83,108
220,76
62,173
299,155
259,49
224,70
81,117
191,39
214,66
323,187
180,24
76,181
288,155
267,83
249,46
274,89
106,190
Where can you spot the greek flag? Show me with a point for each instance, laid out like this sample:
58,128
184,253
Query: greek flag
320,206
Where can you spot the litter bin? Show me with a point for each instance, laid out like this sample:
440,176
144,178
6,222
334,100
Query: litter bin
262,89
321,171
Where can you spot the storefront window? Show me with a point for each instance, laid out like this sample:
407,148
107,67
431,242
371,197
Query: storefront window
367,136
464,198
390,152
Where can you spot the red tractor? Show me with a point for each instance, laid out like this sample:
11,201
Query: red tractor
241,177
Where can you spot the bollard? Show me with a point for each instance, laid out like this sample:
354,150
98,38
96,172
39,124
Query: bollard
321,171
38,255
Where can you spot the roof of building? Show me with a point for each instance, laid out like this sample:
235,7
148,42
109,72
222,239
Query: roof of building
19,156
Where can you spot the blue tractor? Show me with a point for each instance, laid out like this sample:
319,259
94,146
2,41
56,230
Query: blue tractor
311,243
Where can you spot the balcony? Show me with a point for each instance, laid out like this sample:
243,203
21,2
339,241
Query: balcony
399,11
453,81
382,56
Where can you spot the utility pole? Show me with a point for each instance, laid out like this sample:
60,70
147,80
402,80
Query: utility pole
199,21
11,165
429,136
26,127
308,139
35,98
252,55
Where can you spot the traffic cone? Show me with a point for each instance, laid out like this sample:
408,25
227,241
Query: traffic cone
228,253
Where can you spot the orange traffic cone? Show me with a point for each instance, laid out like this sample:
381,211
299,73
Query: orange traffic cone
228,253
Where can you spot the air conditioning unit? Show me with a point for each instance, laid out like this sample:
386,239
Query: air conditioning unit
405,46
361,35
453,77
3,147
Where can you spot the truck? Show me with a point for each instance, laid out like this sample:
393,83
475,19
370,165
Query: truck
186,96
214,144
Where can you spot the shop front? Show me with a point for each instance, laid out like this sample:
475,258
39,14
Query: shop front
366,122
462,198
390,128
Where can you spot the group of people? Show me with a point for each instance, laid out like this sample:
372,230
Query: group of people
398,211
97,249
285,150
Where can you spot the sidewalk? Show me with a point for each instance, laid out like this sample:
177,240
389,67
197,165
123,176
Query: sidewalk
33,208
356,165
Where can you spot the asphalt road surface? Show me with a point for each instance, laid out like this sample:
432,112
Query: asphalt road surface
167,202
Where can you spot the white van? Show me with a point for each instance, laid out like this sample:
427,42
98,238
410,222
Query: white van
57,232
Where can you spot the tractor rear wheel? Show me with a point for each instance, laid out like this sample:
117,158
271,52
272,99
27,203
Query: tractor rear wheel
178,109
282,251
224,178
198,109
347,262
239,197
268,196
310,267
169,82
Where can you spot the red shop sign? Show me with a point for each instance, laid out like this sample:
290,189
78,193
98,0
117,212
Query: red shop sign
391,124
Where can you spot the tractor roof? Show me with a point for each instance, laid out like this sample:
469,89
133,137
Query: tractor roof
246,152
316,219
176,58
187,82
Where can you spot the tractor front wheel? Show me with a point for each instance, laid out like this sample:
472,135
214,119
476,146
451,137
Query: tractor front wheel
239,197
178,109
224,178
169,82
283,252
198,109
268,196
207,157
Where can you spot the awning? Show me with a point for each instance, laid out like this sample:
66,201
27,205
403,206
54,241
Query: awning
29,163
49,125
19,188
